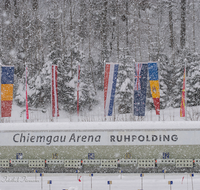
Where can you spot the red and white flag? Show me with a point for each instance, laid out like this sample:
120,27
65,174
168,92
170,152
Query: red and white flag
27,114
182,180
79,179
55,111
78,83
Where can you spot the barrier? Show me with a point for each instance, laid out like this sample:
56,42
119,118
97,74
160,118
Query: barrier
186,163
128,161
102,163
4,163
75,163
146,163
166,161
197,162
92,162
54,161
36,163
109,163
19,161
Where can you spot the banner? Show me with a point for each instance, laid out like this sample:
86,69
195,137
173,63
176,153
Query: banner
140,89
154,85
100,133
182,109
7,81
100,137
55,110
78,83
27,114
110,80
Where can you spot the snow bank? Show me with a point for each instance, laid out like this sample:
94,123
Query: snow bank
55,126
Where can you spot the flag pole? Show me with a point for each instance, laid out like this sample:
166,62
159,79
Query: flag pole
104,90
51,117
0,91
27,114
159,83
133,86
78,77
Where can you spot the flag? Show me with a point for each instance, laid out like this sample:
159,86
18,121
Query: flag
49,182
78,83
154,85
182,110
79,179
7,81
182,180
55,111
110,80
27,114
140,89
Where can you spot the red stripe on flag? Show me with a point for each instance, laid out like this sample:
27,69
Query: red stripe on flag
6,108
55,110
182,109
106,79
156,102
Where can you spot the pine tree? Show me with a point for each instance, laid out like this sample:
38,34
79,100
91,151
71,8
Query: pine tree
186,57
67,80
193,79
39,93
124,90
177,80
88,92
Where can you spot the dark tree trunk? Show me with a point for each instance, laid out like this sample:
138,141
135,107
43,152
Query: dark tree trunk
127,25
104,31
171,26
183,24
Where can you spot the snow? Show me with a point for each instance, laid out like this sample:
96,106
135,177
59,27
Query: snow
13,53
99,181
168,125
124,87
97,114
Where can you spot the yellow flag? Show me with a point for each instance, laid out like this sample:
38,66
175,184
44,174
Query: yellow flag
154,85
6,92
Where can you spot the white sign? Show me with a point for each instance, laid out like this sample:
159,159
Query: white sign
99,138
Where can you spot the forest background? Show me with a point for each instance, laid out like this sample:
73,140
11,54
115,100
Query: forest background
39,33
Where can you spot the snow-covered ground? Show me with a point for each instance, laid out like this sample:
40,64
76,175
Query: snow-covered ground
181,181
97,115
18,114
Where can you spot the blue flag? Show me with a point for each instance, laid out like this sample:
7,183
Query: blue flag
140,89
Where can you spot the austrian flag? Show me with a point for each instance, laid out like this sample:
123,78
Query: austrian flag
55,111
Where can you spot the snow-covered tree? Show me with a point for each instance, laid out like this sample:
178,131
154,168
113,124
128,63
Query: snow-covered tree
193,79
124,90
87,88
